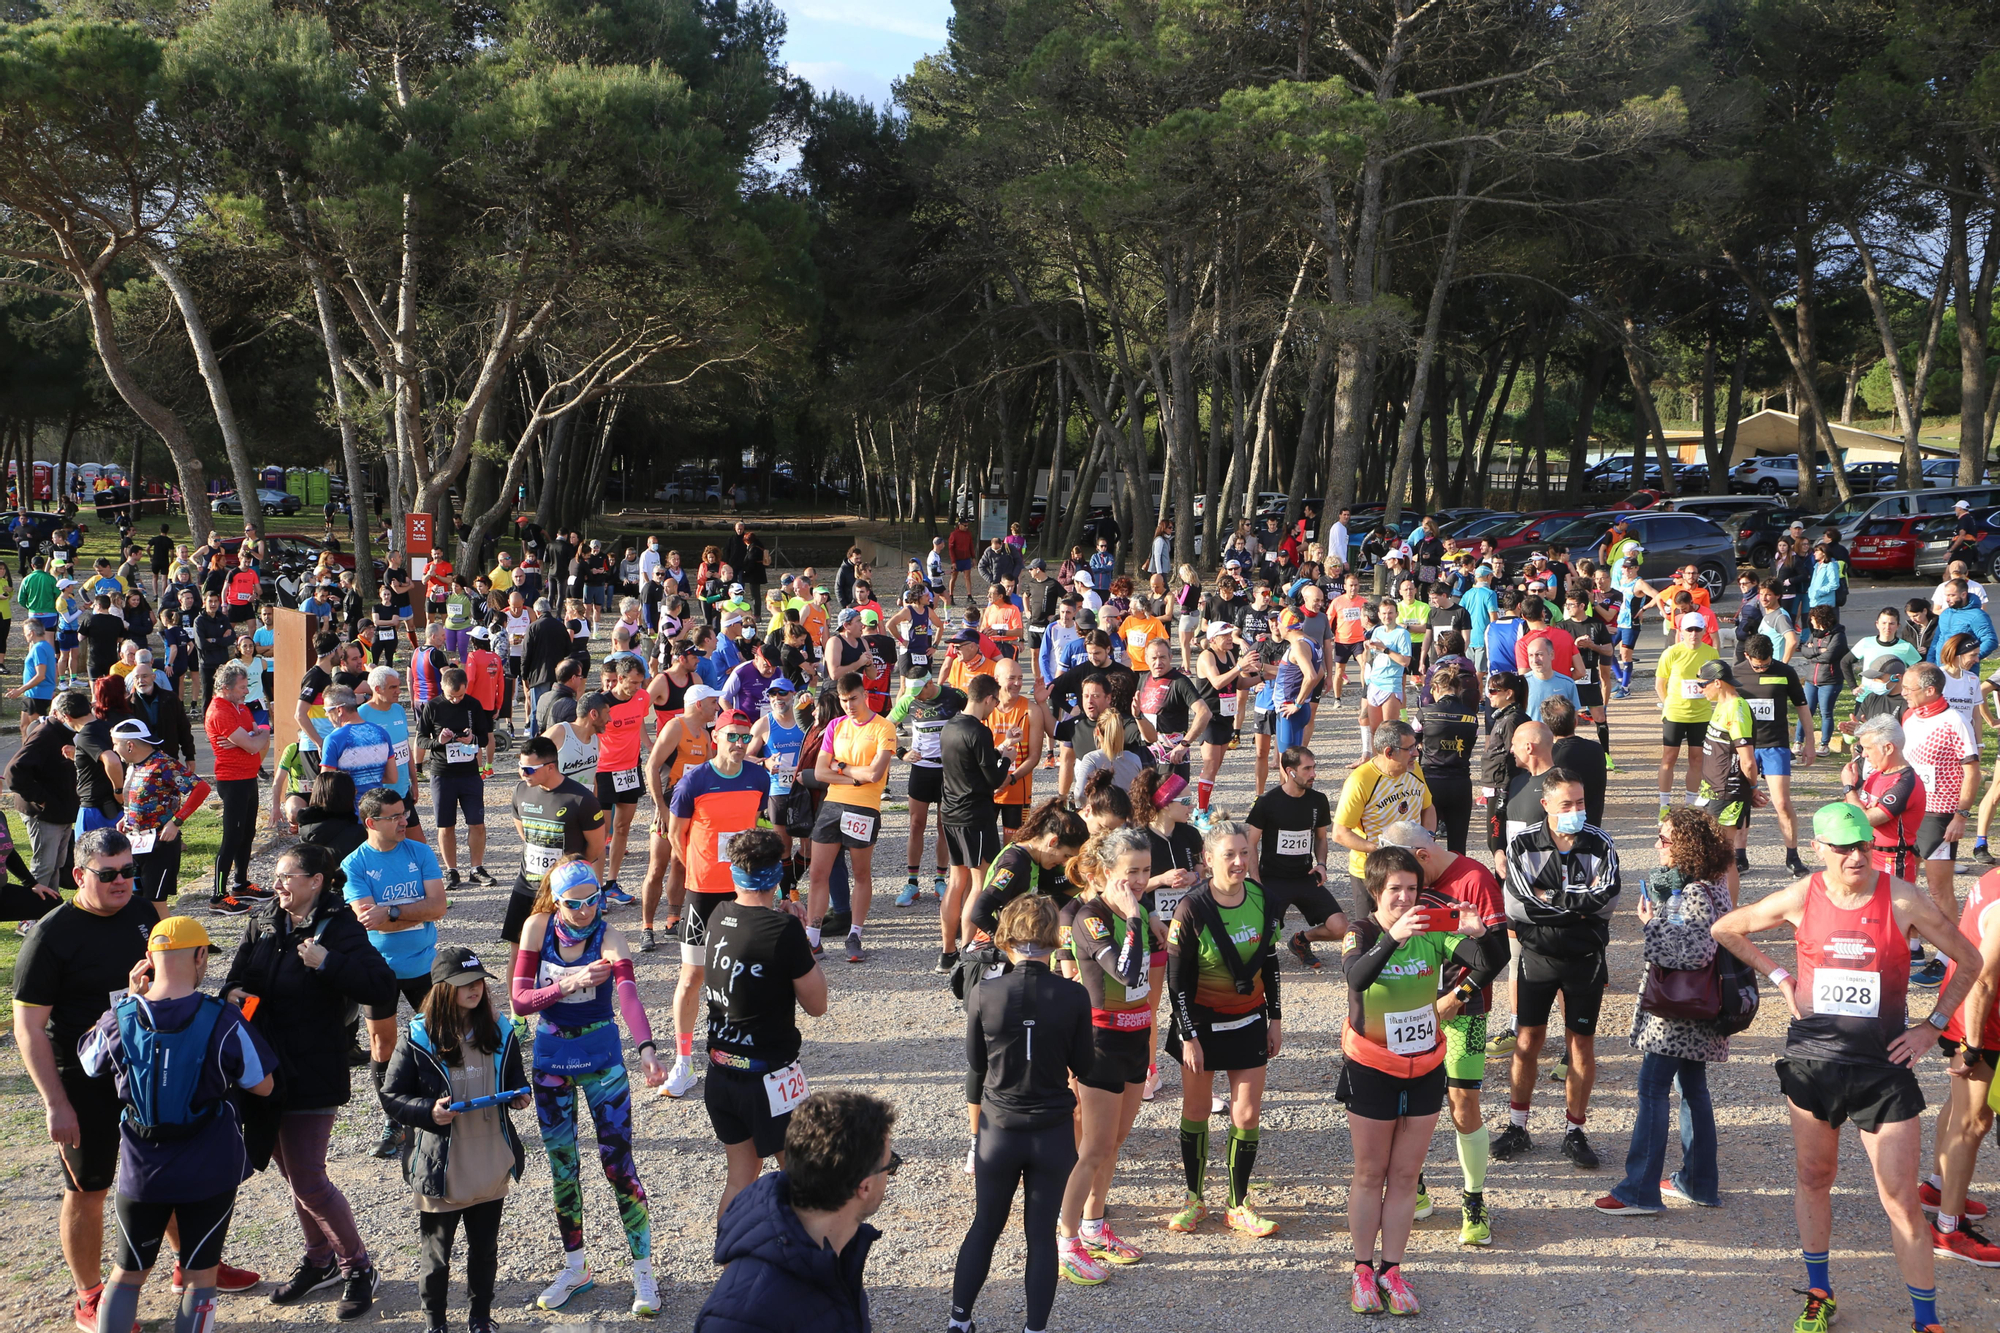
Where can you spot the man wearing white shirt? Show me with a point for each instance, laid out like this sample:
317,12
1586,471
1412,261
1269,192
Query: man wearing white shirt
1338,541
649,560
1957,569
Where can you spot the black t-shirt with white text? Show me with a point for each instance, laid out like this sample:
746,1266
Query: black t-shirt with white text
754,954
1773,691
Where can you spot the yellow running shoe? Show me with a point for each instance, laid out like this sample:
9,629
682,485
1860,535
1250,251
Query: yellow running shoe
1818,1315
1190,1217
1240,1218
1078,1266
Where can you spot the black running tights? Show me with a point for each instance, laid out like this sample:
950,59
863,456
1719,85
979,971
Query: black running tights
1043,1158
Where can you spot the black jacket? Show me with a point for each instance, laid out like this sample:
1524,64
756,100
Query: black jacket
775,1280
214,638
168,718
336,830
302,1012
415,1079
548,644
1024,1084
973,770
42,777
1822,658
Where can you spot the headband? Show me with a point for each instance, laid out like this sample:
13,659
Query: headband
758,881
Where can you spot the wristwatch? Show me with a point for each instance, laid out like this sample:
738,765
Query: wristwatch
395,911
1939,1019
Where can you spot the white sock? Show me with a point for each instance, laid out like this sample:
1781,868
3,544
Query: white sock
642,1269
1093,1226
573,1262
1666,799
1946,1222
1935,1181
812,936
1517,1117
1367,739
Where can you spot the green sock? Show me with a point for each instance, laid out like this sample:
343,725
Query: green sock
1194,1155
1242,1157
1472,1160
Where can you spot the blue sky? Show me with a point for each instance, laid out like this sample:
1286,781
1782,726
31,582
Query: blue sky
859,46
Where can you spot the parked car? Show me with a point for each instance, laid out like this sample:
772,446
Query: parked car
273,502
1473,529
1769,474
1691,478
1620,472
1888,545
1756,532
1671,541
1723,508
1875,475
691,490
1463,521
1537,527
1935,534
1850,514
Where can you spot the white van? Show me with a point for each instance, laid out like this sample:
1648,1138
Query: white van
1851,514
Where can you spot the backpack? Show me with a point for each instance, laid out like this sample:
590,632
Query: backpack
163,1068
1737,981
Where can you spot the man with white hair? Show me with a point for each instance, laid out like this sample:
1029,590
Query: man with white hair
384,707
356,746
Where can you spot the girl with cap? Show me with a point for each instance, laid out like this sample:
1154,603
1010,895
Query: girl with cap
570,970
461,1162
1177,868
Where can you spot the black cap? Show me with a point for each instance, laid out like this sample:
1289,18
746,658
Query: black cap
458,965
1717,669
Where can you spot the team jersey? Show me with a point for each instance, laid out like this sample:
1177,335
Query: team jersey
1013,873
554,824
717,808
1110,954
1392,1024
1972,922
1009,725
1167,701
782,747
927,718
857,745
1936,741
1900,792
1730,725
396,876
1772,692
1680,667
362,751
1853,978
395,724
1371,800
1213,987
1559,640
618,747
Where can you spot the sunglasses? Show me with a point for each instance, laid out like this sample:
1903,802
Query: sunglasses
120,872
1847,849
578,904
742,737
890,1167
529,770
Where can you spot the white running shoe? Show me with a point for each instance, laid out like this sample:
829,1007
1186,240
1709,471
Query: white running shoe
972,1158
680,1080
645,1291
572,1279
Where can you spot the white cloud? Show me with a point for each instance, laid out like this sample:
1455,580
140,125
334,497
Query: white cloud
920,20
831,75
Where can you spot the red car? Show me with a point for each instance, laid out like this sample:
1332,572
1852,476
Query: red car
1888,545
1547,520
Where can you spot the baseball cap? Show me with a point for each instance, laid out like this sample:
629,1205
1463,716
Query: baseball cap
1216,627
1962,504
847,617
1842,825
1693,620
1717,670
733,717
65,583
176,932
735,590
480,632
699,694
966,636
781,685
870,618
134,729
1038,563
1883,669
459,965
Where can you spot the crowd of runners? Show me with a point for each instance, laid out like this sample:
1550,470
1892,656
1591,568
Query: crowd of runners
1058,735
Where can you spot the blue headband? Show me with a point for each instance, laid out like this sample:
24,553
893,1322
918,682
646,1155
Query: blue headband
758,881
569,875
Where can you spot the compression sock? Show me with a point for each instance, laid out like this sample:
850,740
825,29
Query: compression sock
197,1313
1923,1305
684,1045
1204,790
1604,736
1194,1155
1817,1277
1242,1153
1472,1160
378,1070
1517,1114
117,1308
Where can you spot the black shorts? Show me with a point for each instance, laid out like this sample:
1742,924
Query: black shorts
1974,1055
204,1227
1263,722
1373,1095
1121,1059
1011,815
828,827
694,924
1590,693
93,1163
452,794
1314,900
1239,1043
791,811
412,989
1221,731
975,845
1930,837
739,1110
926,784
1870,1095
1580,982
1346,652
1676,734
608,794
520,906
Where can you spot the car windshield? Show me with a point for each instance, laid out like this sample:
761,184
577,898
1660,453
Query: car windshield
1847,509
1578,532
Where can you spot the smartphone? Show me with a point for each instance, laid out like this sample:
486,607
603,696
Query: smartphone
1442,919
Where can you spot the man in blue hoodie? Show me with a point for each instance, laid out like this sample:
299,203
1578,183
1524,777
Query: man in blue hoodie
1960,616
796,1241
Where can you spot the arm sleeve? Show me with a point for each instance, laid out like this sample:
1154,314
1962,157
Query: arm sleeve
196,795
1183,965
528,999
1273,1009
1485,958
636,1022
1362,966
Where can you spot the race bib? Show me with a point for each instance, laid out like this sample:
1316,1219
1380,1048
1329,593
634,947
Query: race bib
785,1088
1295,842
385,636
1350,614
930,741
1764,710
1691,689
539,861
460,752
1166,900
143,842
401,750
858,824
551,973
722,841
1846,993
626,779
1229,705
781,779
1135,641
1412,1032
920,659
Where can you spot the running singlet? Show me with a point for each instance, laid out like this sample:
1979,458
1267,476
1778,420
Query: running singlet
576,758
927,718
717,808
553,824
858,746
1854,973
676,698
1215,985
1985,896
582,1008
694,748
1009,726
618,748
1391,1024
782,747
1901,793
1089,927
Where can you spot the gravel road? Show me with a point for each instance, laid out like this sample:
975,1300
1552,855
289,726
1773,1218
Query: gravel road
892,1028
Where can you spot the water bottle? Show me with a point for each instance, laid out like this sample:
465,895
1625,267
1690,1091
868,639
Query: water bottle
1676,907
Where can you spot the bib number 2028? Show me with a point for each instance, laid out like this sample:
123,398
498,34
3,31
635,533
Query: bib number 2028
1847,993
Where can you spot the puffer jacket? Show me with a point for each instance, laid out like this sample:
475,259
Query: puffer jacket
415,1079
777,1279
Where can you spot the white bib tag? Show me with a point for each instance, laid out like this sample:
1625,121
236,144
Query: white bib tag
1229,705
1847,993
1691,689
722,841
1351,614
781,778
1412,1032
143,842
385,636
539,861
402,752
460,752
859,824
920,659
625,780
1166,900
1295,842
1764,710
785,1088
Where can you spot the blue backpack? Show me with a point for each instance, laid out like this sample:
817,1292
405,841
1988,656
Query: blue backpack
162,1070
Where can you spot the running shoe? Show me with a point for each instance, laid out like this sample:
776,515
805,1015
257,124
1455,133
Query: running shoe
84,1311
938,887
1665,810
1577,1148
1152,1088
680,1080
1793,865
1364,1298
616,896
1302,949
1333,704
228,1279
1965,1245
1424,1205
451,879
1617,1207
1819,1313
1928,1196
1671,1188
1397,1296
1078,1266
567,1284
391,1142
647,940
255,893
1106,1245
910,893
1610,764
854,954
1982,854
1201,819
1240,1218
1500,1043
1187,1219
645,1290
1559,1072
947,960
1742,860
481,875
1218,1106
1510,1142
306,1279
1930,976
1475,1226
357,1294
228,905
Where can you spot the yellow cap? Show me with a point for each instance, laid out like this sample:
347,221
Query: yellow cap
176,932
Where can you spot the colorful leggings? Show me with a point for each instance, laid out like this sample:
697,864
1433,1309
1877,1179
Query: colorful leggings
610,1098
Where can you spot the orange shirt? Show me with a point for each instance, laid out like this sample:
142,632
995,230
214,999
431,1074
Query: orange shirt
1350,618
1009,726
958,673
814,620
483,678
1002,622
1139,630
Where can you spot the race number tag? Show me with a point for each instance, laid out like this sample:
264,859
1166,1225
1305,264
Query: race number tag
1351,614
1295,842
930,740
920,659
143,842
1166,900
785,1088
460,752
1764,710
401,750
722,841
858,824
1846,993
1229,705
1412,1032
1691,689
781,776
385,636
539,861
625,780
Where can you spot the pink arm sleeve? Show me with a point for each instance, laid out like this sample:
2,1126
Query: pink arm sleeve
527,999
628,1002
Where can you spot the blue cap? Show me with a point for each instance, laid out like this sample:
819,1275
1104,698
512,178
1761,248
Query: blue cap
570,875
781,686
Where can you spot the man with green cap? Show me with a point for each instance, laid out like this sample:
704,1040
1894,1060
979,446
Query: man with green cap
1850,1049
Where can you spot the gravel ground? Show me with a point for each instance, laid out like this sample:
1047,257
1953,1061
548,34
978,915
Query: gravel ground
892,1028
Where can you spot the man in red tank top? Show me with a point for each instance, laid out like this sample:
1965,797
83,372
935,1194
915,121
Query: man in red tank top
1969,1039
1848,1053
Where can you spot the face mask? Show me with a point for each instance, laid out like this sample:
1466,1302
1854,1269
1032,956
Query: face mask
1570,823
